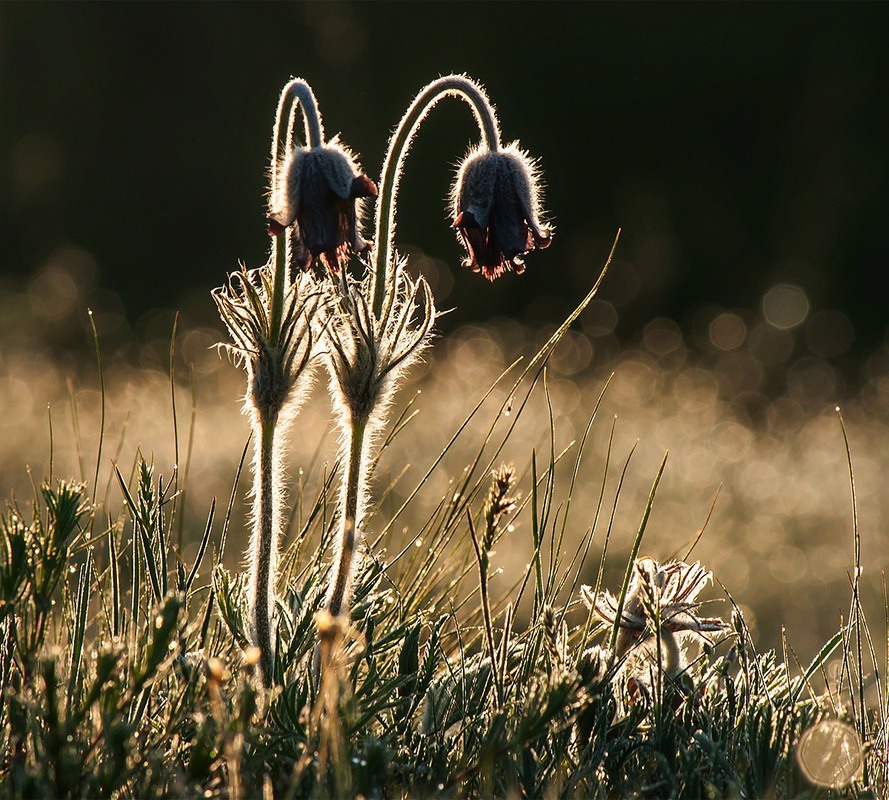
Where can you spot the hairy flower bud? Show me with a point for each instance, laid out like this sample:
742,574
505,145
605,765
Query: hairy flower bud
496,210
320,188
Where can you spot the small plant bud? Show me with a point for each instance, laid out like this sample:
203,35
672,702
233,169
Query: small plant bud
215,670
593,664
496,210
320,190
329,626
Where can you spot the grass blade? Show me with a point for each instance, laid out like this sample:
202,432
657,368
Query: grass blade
205,539
80,613
633,553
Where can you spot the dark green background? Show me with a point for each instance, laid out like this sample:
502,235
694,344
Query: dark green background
738,145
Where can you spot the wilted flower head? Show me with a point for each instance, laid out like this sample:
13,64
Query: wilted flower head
319,189
496,210
668,590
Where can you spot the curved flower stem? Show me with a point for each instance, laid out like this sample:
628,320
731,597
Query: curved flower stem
353,491
384,235
296,94
264,544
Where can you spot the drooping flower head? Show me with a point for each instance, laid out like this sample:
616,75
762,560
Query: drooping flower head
667,591
321,189
496,210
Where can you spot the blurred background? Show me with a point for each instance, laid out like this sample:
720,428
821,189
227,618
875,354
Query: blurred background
741,148
737,146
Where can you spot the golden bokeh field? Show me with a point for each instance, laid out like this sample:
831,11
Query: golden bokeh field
739,401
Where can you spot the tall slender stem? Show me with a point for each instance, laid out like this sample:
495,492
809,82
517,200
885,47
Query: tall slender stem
353,492
384,235
264,547
279,286
481,552
297,94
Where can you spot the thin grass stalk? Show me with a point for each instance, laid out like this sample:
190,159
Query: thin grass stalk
884,711
176,499
98,351
618,617
483,562
855,613
114,569
537,538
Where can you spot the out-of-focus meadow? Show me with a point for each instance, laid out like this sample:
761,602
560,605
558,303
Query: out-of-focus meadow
742,400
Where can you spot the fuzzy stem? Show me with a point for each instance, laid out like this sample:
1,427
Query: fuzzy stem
299,93
279,287
264,542
399,144
338,595
296,94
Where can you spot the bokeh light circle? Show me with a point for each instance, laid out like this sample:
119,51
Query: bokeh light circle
830,754
727,331
785,306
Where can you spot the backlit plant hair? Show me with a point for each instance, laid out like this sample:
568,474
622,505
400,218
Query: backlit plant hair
372,328
268,315
379,326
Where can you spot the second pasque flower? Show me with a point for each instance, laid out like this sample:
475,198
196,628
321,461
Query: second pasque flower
496,210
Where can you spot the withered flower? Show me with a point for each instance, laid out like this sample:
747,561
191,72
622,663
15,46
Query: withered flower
496,210
667,591
321,191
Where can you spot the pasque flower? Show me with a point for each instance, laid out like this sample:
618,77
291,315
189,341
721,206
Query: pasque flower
321,189
496,210
660,597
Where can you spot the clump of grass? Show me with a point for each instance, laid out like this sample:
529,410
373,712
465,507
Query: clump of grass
140,679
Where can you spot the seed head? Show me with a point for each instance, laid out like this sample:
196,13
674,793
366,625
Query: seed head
496,210
321,190
500,497
500,501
